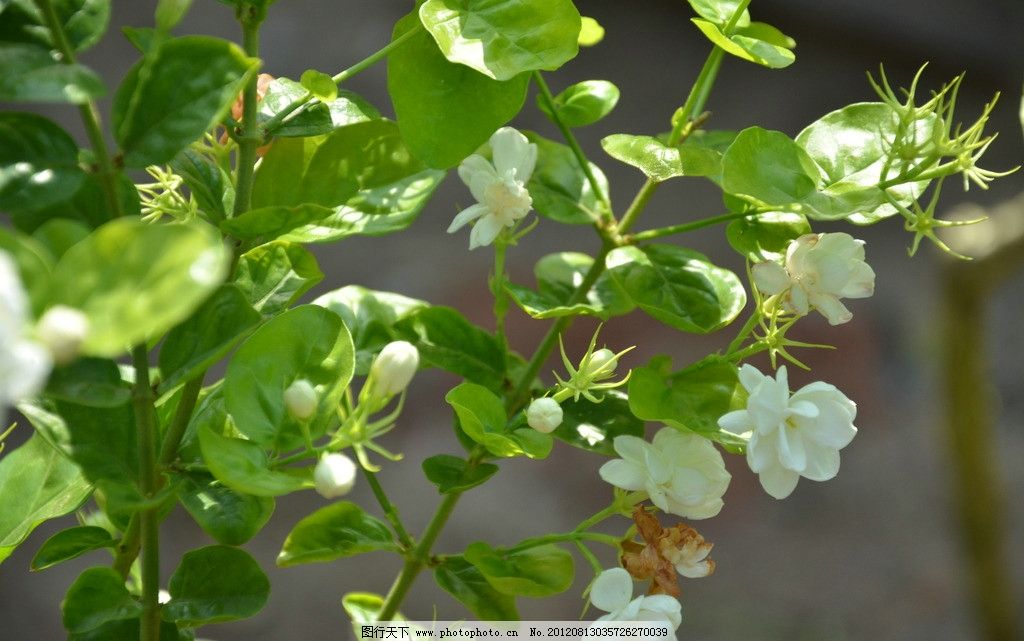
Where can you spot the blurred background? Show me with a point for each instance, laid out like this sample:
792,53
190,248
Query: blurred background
877,553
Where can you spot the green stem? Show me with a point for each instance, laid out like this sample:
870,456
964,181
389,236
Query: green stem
128,548
574,145
250,138
270,126
149,480
595,564
747,328
596,518
389,509
688,227
182,416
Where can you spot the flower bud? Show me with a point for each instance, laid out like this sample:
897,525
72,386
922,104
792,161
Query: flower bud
334,476
62,330
544,415
602,364
300,399
394,367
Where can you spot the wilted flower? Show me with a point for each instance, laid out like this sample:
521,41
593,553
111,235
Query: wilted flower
24,363
819,270
791,436
612,592
683,474
63,330
301,401
664,552
334,475
394,367
544,415
499,187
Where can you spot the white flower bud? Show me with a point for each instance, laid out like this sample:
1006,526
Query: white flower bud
62,330
300,399
394,367
602,364
544,415
334,476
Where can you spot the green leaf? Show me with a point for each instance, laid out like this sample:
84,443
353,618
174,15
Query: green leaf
594,426
447,340
321,85
134,281
34,263
128,630
207,336
308,342
274,221
751,47
766,237
363,608
692,399
206,182
95,382
274,275
445,110
243,466
338,530
58,235
70,544
452,474
370,316
591,32
482,417
87,205
658,161
82,21
32,75
214,584
37,483
504,38
321,118
170,12
38,163
96,597
769,168
230,517
583,103
677,286
558,186
156,113
467,584
534,572
558,275
720,11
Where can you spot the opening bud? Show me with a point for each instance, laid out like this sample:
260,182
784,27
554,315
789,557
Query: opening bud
602,364
544,415
334,476
62,330
394,367
301,400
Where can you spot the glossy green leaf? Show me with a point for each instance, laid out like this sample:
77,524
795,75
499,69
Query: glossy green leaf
207,336
363,608
558,186
230,517
446,110
314,120
96,597
307,342
750,47
767,33
82,21
338,530
677,286
591,32
170,12
142,38
32,75
594,426
720,12
692,399
558,275
318,83
583,103
207,183
134,281
453,474
504,38
370,316
535,572
58,235
34,264
658,161
243,466
766,237
461,579
128,630
176,93
38,163
482,417
274,221
447,340
274,275
70,544
769,167
214,584
37,483
95,382
87,205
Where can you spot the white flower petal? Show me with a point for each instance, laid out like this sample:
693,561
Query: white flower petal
624,474
831,308
736,422
661,607
861,282
761,452
485,231
822,462
513,154
467,215
24,369
612,590
477,173
631,448
771,278
778,481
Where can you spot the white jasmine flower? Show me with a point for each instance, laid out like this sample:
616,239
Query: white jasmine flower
394,367
612,592
334,475
819,270
63,330
544,415
499,187
683,474
792,436
301,400
24,363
